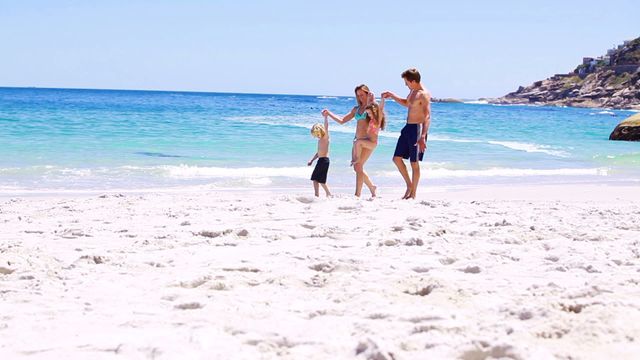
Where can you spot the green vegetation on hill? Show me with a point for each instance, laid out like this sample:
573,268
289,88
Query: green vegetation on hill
611,80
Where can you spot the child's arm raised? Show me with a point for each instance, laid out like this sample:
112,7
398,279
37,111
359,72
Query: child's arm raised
380,112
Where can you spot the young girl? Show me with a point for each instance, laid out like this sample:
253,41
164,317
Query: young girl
319,175
377,121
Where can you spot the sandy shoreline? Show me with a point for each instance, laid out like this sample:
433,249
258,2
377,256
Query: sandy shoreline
472,273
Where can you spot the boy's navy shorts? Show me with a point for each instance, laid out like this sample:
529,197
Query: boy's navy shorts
320,172
406,147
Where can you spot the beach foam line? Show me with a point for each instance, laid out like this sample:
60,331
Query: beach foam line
256,173
440,173
513,145
530,148
604,112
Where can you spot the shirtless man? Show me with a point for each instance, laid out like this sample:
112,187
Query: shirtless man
413,138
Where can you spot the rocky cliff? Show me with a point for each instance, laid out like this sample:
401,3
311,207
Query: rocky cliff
611,81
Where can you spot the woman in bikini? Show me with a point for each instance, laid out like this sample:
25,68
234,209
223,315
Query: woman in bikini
377,121
360,114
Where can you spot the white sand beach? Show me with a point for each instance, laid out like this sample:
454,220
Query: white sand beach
496,272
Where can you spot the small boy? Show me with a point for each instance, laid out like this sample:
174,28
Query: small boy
319,175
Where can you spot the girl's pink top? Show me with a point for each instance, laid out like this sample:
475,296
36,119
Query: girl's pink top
373,129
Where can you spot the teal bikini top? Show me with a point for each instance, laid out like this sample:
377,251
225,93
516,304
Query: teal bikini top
362,116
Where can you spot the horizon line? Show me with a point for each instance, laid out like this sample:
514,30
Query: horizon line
203,92
164,91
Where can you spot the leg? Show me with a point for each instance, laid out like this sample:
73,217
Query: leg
405,174
357,167
415,179
364,144
316,188
326,190
354,152
366,153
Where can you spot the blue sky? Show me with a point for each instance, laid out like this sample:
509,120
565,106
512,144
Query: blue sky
464,49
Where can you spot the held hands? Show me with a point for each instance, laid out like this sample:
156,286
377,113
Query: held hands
371,98
325,113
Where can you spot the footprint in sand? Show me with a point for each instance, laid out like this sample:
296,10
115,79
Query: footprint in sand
189,306
348,208
72,233
484,350
429,204
447,261
305,199
525,315
414,242
213,234
316,281
242,269
6,271
389,242
573,308
91,259
424,329
471,270
423,291
322,267
370,350
194,283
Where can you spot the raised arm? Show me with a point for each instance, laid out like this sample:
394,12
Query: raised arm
340,120
396,98
380,110
326,124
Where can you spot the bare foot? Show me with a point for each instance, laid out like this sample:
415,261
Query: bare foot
407,194
373,191
411,196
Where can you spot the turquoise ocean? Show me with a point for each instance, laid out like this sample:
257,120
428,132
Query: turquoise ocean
85,140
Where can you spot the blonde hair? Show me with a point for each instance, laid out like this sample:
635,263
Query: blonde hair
317,130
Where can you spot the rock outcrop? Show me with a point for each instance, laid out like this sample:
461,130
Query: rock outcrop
628,130
610,81
446,100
